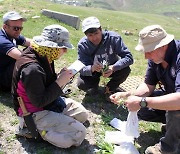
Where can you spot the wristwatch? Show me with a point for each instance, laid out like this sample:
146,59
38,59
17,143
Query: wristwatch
143,102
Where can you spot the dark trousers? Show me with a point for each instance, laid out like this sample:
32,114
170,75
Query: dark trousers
118,77
170,142
6,78
153,115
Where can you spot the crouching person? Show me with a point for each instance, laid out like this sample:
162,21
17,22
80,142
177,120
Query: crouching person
35,84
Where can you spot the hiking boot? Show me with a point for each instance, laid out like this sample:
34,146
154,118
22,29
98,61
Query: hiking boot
156,149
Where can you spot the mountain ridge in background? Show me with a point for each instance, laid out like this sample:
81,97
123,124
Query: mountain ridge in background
163,7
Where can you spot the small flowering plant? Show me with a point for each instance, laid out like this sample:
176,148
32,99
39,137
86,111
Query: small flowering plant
105,66
120,102
122,97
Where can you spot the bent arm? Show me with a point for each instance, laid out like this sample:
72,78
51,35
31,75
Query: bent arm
15,53
123,52
144,90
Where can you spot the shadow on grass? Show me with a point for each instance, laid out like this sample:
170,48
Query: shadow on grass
44,147
147,139
6,99
100,106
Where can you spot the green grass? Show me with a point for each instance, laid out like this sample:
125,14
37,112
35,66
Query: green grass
11,138
111,20
43,151
105,148
150,6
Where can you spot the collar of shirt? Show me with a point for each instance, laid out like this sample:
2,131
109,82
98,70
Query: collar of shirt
7,35
171,52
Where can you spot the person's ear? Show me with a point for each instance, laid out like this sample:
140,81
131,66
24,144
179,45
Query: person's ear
164,48
4,26
100,28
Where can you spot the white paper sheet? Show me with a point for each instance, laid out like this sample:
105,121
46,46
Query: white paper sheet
76,66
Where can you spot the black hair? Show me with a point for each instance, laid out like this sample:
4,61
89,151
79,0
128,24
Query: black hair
91,30
6,22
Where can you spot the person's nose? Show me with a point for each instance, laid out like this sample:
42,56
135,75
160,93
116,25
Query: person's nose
94,38
65,50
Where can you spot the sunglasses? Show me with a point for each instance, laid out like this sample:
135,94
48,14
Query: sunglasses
16,28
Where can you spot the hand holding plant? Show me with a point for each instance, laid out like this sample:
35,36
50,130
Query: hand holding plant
107,69
119,98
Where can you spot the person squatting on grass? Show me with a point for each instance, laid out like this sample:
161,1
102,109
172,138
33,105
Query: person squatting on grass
10,39
163,54
104,54
58,120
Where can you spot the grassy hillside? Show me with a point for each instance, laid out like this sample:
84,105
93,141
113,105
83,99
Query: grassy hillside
153,6
166,7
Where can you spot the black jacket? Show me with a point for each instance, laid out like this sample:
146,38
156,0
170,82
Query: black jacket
38,78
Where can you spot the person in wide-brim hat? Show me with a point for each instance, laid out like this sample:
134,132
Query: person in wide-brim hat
162,104
153,37
54,36
53,39
58,120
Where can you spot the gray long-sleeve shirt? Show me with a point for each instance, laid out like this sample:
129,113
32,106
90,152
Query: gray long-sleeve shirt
112,49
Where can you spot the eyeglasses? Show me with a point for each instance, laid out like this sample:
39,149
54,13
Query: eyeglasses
16,28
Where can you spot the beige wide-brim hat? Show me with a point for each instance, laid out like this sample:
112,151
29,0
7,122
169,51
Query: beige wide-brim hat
153,37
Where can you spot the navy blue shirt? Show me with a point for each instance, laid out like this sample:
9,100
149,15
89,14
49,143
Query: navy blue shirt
112,49
6,45
169,77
